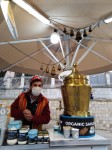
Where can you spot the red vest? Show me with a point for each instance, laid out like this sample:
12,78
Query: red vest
40,107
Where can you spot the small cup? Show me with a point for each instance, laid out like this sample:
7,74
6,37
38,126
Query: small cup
75,133
56,128
66,131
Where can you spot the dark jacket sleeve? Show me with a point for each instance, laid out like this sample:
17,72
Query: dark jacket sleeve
15,111
44,118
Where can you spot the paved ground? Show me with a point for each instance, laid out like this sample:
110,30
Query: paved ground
106,134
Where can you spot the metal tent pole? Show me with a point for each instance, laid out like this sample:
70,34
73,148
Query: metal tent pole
67,47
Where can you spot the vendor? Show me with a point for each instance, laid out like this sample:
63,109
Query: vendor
32,107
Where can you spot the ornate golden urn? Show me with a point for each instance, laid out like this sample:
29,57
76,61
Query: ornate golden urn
76,94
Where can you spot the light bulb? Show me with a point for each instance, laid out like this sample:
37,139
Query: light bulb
55,38
108,20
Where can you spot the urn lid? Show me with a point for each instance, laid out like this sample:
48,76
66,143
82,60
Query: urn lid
75,77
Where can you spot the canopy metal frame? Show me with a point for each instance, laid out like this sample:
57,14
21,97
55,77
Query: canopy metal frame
86,53
48,50
67,48
18,62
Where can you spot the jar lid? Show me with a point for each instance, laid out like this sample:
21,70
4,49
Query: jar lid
12,129
23,130
15,122
33,132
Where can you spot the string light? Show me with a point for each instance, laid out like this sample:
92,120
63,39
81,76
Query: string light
65,31
59,67
84,33
53,71
64,62
55,36
78,36
90,30
71,33
47,69
41,67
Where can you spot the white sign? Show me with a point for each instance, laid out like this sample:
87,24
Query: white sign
64,74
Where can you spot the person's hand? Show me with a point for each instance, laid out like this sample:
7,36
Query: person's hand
27,114
28,117
26,111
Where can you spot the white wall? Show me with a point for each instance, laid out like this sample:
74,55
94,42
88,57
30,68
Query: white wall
102,93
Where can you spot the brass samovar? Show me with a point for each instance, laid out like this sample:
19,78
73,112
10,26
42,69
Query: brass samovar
76,94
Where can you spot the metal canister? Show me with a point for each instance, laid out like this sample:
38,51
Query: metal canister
76,94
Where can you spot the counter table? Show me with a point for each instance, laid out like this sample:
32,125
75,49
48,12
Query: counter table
57,141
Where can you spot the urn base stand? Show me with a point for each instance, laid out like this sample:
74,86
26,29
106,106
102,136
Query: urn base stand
86,125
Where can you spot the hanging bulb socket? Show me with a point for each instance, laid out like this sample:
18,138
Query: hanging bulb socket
90,30
78,36
53,71
53,68
55,30
71,33
64,62
65,31
47,69
84,33
41,67
59,67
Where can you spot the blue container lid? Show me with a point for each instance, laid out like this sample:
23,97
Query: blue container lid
33,132
15,122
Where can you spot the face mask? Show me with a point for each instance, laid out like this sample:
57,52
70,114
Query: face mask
36,91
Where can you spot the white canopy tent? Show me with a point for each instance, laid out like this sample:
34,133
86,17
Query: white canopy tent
33,48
